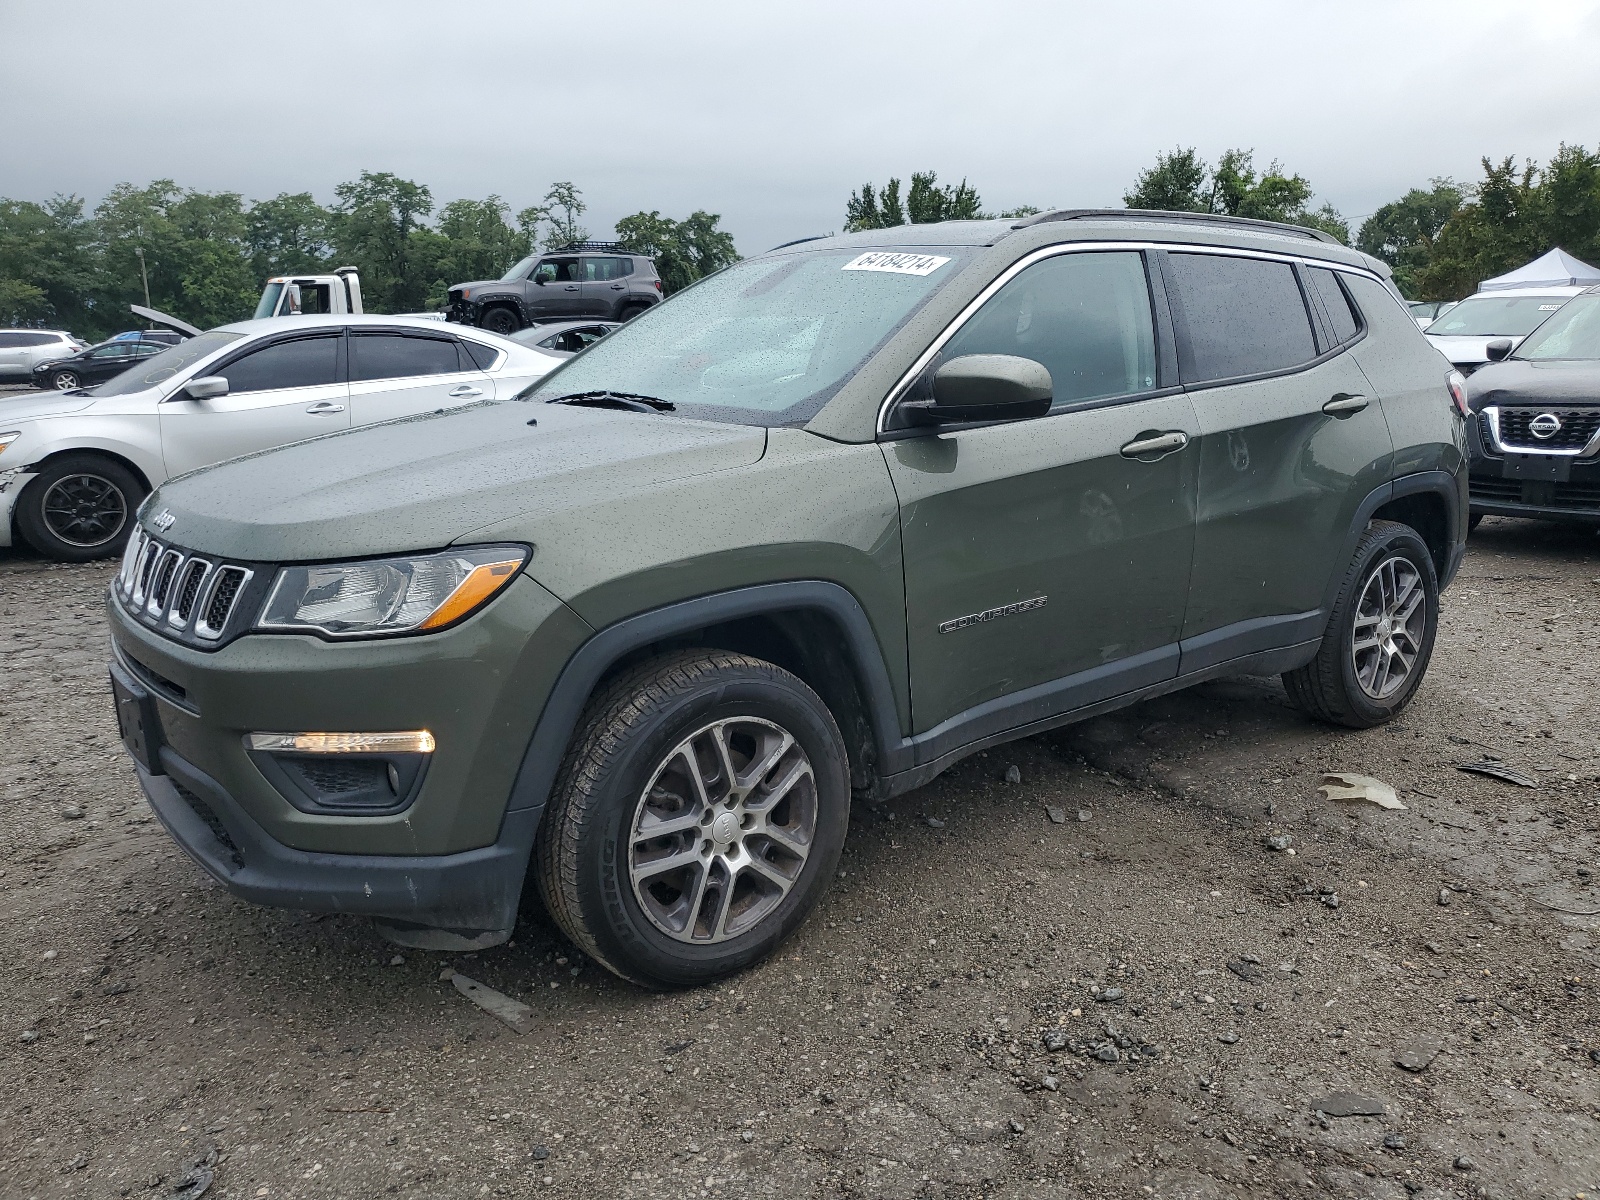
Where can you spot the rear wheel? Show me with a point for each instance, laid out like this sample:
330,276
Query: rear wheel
500,320
64,381
79,507
630,311
1380,635
697,818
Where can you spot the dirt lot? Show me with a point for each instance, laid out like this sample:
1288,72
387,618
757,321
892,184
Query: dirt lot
1207,998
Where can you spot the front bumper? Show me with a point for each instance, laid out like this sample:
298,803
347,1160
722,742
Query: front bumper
11,485
463,312
472,895
1498,487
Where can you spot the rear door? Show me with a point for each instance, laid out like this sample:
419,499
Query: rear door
13,353
1291,442
605,284
286,391
399,374
1038,555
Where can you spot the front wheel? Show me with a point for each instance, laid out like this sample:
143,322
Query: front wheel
64,381
697,818
1380,635
500,320
79,507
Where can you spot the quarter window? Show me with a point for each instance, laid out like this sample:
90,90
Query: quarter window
1085,316
394,356
1342,323
1245,316
304,362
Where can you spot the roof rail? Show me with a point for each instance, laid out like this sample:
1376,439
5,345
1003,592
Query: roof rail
1156,214
572,247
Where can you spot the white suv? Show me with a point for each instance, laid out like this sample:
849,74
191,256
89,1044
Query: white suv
74,465
23,349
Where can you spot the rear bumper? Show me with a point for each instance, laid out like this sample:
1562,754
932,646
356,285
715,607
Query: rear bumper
470,894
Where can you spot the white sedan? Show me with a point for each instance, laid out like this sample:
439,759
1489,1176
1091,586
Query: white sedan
75,465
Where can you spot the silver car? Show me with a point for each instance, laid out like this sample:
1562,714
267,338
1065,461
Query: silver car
23,349
74,465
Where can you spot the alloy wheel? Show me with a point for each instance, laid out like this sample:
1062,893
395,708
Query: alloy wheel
722,832
85,510
65,381
1391,621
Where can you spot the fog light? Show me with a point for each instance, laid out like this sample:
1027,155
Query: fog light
418,741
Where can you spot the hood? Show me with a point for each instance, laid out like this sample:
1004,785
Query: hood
53,404
1468,350
1536,384
483,284
424,482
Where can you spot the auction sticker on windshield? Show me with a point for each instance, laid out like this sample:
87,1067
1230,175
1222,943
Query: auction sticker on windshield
898,264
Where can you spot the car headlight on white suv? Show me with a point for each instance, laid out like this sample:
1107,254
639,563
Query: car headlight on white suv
414,594
8,437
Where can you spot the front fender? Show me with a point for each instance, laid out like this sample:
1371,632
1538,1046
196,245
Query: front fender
134,439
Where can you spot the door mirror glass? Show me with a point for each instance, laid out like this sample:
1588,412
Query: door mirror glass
1498,349
207,387
985,387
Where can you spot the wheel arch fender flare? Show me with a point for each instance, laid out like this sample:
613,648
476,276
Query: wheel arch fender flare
119,453
591,661
1443,484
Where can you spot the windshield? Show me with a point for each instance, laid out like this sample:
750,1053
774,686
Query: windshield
767,341
269,301
1496,316
521,269
161,367
1574,332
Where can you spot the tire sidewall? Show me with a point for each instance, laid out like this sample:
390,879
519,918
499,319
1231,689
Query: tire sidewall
605,893
1398,541
37,532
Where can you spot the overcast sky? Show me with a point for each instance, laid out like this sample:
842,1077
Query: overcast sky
769,114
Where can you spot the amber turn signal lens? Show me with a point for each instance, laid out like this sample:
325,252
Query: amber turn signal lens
481,582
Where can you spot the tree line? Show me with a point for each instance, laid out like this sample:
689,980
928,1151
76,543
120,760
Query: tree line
1441,240
204,255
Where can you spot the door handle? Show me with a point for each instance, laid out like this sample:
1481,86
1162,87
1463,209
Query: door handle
461,391
617,287
325,406
572,287
1159,445
1345,404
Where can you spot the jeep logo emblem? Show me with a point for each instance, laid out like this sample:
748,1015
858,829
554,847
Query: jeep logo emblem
1545,425
163,520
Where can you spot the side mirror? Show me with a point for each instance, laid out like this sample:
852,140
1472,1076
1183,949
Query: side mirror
207,387
539,280
985,387
1499,349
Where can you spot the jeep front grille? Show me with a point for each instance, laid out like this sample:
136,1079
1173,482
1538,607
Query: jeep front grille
184,595
219,605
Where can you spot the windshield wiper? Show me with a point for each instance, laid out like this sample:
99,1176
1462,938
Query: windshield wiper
609,399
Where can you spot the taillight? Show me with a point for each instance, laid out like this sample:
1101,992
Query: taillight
1457,383
658,285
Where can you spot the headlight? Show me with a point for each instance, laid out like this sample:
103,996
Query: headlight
7,438
390,595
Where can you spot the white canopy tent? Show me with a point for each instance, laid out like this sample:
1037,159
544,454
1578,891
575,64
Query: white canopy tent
1556,269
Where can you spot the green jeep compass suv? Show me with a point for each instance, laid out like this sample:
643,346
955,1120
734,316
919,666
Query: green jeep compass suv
816,528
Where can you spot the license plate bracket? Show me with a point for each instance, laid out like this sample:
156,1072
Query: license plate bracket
138,723
1556,468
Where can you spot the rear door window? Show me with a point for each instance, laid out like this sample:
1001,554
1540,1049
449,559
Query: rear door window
602,269
1341,319
398,356
1085,316
303,362
1244,316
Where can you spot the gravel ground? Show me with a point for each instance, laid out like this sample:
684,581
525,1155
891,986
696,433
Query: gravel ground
1087,977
